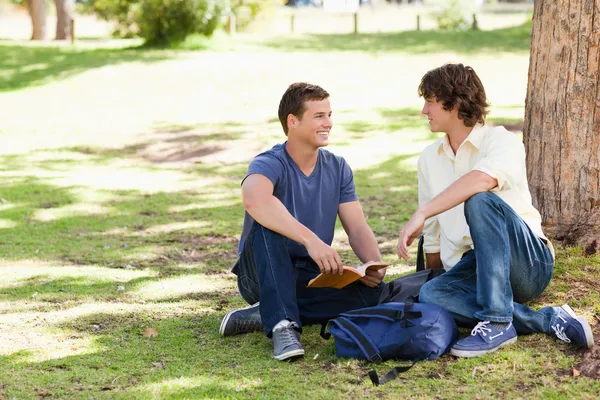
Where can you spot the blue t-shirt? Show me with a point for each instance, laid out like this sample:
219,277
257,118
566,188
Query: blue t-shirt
312,200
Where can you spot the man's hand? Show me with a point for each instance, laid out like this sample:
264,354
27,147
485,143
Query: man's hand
373,278
410,232
325,256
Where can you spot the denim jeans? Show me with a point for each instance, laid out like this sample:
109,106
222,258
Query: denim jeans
509,265
268,274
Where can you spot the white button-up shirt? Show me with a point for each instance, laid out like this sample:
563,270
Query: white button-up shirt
492,150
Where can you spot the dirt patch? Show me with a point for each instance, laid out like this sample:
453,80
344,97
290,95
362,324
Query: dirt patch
578,287
590,364
216,251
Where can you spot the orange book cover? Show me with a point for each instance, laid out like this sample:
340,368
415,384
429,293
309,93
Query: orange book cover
350,275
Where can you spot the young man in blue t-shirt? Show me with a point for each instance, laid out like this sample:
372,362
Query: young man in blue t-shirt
293,194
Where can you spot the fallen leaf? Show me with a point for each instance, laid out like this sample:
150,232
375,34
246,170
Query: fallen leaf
576,372
150,332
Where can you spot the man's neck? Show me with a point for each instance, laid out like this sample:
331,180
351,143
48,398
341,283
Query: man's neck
304,157
458,134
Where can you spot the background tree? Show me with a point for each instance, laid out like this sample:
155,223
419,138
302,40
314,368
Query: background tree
64,16
37,12
562,118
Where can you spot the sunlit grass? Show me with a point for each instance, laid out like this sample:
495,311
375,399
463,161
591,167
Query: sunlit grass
120,210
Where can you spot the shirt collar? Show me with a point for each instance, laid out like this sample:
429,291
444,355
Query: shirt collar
475,138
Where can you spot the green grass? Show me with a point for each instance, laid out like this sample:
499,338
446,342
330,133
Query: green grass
120,210
24,66
512,40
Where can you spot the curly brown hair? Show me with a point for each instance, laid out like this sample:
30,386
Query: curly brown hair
456,84
292,101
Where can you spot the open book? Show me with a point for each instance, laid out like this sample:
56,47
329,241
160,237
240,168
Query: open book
350,275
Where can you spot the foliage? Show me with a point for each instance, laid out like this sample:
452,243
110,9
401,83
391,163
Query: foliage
167,22
452,15
159,22
121,12
247,10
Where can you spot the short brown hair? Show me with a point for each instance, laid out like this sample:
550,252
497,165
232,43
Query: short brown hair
453,84
292,101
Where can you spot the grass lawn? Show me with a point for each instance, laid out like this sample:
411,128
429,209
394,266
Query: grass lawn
120,211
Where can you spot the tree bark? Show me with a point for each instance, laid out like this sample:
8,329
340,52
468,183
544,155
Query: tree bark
562,118
64,16
37,12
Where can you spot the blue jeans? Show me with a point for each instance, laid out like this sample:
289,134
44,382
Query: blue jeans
268,274
509,265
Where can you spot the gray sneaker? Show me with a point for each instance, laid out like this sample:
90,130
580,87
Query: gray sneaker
243,320
286,344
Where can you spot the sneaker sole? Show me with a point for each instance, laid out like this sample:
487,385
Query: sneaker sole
589,335
290,355
475,353
226,319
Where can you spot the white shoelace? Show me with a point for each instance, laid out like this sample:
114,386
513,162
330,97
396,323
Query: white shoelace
560,333
481,328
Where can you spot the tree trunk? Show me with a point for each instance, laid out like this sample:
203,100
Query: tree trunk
562,118
64,16
37,12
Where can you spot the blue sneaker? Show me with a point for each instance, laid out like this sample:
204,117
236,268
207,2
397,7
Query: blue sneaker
570,328
484,338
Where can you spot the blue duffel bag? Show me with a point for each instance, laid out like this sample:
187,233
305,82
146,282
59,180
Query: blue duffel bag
406,331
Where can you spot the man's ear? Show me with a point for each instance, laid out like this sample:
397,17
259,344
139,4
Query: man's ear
292,121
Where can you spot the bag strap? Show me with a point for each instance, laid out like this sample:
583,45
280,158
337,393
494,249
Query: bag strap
385,312
325,335
392,374
421,254
372,352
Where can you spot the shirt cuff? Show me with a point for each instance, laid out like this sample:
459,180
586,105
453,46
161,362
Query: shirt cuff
431,248
490,172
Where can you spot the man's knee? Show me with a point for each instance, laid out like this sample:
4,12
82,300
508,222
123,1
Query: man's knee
480,203
429,293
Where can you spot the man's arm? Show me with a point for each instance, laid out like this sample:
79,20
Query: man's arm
462,189
362,240
269,211
433,261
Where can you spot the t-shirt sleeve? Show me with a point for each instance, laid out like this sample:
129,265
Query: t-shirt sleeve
347,187
266,165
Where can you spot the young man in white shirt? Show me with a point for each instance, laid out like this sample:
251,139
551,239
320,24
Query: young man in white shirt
476,214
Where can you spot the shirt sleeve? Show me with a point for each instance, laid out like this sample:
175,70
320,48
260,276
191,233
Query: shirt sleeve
431,229
266,165
503,160
347,187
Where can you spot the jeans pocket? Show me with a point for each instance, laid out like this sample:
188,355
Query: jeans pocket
532,281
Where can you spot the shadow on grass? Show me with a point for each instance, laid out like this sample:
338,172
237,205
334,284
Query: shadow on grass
168,143
512,39
140,229
187,359
388,194
24,66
